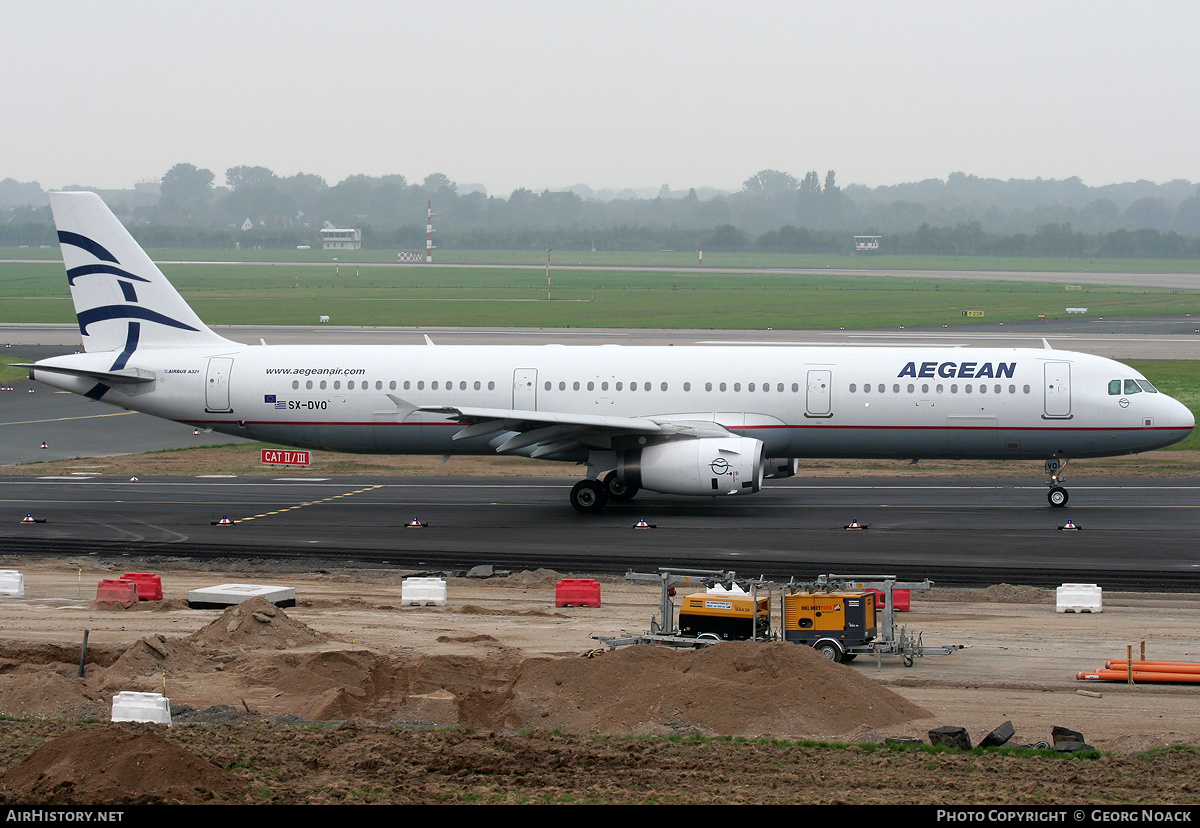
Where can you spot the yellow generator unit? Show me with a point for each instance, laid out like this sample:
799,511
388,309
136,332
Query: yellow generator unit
832,622
725,616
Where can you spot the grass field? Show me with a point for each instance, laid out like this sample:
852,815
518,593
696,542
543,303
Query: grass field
233,294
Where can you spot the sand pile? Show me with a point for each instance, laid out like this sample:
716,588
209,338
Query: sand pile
43,693
118,766
255,624
327,686
735,688
159,654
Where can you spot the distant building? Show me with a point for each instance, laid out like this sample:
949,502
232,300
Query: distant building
863,244
333,238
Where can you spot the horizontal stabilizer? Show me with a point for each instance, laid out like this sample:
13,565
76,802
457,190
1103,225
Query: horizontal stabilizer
124,376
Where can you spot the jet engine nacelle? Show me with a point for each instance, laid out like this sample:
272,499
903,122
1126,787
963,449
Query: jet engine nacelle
775,468
706,466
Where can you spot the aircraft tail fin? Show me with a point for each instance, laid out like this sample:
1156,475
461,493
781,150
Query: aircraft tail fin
122,299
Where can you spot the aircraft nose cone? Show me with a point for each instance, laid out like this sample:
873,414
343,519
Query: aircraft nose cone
1186,418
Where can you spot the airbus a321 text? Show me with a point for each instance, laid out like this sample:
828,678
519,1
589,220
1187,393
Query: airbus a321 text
709,420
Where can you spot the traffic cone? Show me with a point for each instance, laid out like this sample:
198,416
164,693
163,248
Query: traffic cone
44,444
133,479
854,524
641,524
414,523
1069,526
28,518
224,521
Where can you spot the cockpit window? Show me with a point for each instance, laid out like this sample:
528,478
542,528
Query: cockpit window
1146,386
1114,388
1131,387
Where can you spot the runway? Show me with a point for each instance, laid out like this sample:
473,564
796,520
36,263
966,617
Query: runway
1134,533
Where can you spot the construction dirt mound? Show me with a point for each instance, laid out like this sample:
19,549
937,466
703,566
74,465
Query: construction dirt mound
737,688
257,659
258,624
117,766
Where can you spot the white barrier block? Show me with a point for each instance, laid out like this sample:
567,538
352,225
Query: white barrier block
423,592
12,582
1079,598
129,706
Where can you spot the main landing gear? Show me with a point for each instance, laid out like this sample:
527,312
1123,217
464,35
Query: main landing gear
591,496
1054,476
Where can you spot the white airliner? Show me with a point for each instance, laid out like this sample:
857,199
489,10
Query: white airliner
709,420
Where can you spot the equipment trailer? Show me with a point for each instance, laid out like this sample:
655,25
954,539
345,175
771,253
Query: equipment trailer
837,615
734,613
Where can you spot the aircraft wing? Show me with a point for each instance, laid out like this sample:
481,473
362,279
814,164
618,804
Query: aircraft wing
553,432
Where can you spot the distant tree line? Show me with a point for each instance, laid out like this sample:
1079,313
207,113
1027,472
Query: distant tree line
773,211
1054,240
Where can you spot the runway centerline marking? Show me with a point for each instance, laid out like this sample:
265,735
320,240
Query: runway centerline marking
308,503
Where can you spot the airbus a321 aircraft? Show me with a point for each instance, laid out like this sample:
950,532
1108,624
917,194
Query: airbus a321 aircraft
707,421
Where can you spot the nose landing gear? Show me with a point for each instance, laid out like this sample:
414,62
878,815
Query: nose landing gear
1057,496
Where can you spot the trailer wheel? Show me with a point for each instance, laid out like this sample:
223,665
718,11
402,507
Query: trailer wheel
908,661
849,657
830,649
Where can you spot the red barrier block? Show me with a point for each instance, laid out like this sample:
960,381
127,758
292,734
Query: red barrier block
902,598
577,592
149,585
117,591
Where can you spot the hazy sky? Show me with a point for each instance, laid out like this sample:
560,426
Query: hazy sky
609,93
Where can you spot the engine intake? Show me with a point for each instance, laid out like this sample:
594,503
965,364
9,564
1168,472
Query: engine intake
710,465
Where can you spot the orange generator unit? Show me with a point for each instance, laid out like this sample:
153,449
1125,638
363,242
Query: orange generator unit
832,622
724,616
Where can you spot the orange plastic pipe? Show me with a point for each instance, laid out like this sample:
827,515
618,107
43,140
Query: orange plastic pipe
1157,666
1122,675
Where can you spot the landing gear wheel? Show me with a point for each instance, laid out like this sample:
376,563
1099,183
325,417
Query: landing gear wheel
616,490
830,649
1057,496
588,496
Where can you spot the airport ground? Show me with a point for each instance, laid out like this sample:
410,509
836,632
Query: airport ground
528,716
501,697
